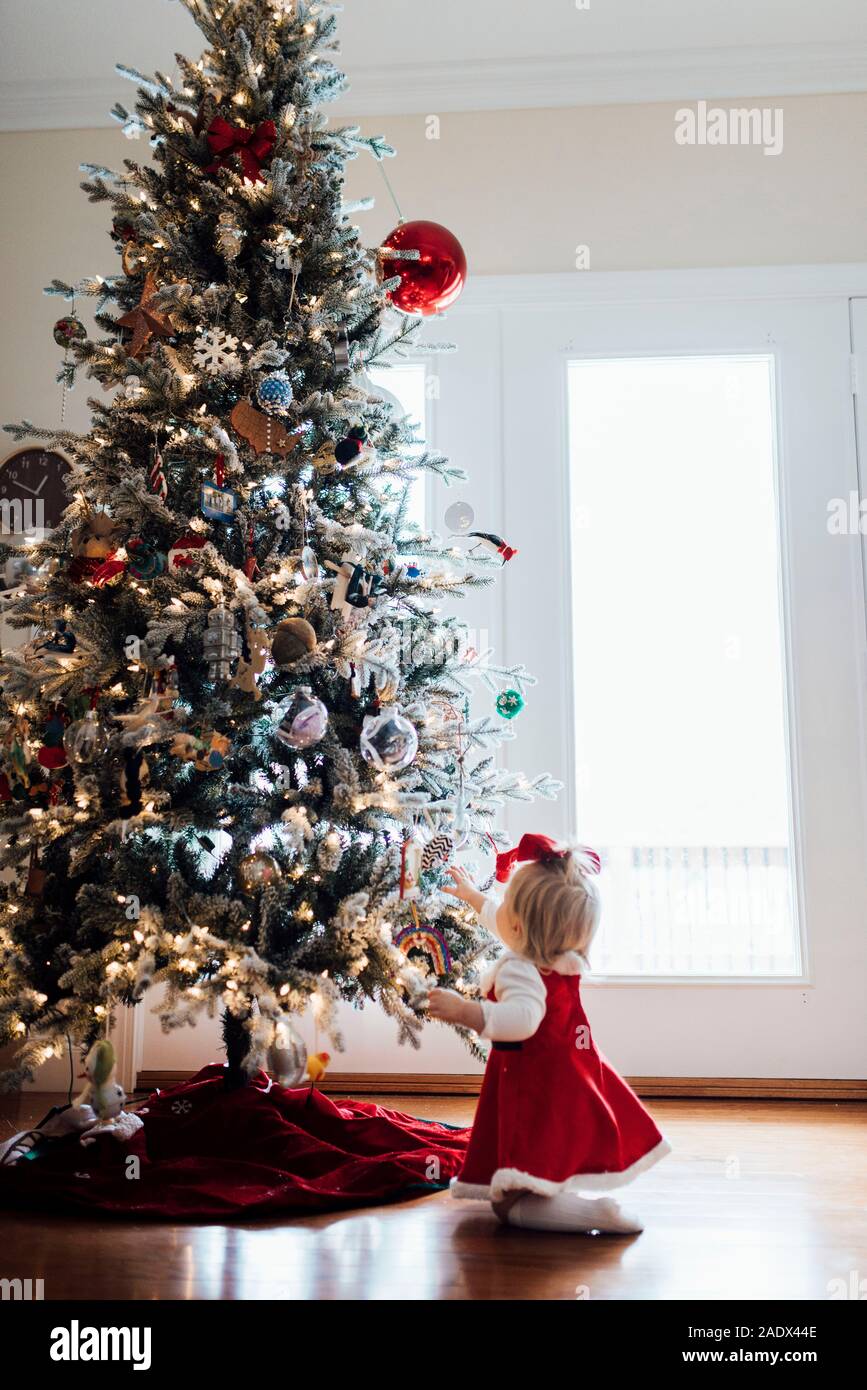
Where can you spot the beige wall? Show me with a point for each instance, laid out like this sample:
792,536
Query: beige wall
521,189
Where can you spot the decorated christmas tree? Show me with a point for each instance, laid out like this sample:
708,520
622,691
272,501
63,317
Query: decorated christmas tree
239,750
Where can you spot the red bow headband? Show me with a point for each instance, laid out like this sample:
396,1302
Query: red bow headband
538,849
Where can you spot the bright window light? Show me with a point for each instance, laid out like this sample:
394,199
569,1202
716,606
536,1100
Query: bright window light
682,774
404,387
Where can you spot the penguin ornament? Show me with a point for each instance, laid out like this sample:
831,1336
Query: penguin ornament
494,545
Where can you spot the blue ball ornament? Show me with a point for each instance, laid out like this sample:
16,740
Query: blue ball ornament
274,393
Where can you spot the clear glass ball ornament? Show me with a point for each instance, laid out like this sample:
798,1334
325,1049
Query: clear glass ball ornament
459,516
388,740
85,740
287,1055
304,721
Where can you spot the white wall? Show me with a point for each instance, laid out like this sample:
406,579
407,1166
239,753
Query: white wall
522,189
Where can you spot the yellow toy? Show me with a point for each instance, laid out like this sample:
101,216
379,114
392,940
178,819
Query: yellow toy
317,1065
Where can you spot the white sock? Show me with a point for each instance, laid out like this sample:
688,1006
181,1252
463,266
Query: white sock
569,1212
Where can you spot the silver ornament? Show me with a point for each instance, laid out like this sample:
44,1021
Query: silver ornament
221,643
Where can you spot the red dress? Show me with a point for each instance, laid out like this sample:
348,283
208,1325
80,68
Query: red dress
553,1114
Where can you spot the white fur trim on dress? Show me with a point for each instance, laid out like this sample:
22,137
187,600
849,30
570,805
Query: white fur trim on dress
569,963
512,1179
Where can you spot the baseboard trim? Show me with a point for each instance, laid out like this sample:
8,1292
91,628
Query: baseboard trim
676,1087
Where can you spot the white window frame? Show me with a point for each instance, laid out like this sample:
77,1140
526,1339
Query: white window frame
808,1025
794,787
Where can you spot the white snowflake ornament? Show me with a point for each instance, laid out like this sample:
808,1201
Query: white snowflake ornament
215,352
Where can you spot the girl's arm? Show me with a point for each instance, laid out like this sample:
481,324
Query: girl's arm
521,996
514,1016
449,1007
463,888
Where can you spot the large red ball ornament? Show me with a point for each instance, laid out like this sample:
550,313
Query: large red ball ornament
434,281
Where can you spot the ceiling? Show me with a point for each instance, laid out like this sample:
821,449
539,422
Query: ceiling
57,57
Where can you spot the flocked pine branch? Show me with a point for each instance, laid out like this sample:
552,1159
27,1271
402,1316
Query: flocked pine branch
154,789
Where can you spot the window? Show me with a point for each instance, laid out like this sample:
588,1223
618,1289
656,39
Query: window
404,387
679,707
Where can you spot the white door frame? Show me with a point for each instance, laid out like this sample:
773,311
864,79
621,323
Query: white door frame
806,1028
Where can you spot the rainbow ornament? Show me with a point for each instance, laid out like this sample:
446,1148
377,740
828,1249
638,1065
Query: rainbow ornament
430,940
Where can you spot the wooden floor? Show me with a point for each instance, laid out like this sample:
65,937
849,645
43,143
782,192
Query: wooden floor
759,1200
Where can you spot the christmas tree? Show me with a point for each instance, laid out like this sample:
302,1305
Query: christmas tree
239,750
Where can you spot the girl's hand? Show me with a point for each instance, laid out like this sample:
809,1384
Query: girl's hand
449,1007
463,888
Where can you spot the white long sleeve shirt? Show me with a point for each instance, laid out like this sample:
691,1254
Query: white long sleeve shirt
520,997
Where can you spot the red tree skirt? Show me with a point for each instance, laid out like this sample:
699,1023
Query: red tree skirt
210,1153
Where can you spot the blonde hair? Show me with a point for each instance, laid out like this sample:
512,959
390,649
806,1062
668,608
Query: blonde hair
558,905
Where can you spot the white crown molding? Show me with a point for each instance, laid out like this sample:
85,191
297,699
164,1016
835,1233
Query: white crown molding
609,79
46,104
590,80
725,283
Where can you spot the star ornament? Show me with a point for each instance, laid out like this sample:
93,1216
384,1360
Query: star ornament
145,321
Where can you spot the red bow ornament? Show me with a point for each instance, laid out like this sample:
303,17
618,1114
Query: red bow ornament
538,849
108,572
253,146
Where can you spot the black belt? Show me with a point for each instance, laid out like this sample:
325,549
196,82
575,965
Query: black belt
507,1046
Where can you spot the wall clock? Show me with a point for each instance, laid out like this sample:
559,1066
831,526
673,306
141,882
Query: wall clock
32,492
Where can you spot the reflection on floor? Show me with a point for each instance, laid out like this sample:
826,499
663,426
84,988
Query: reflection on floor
760,1200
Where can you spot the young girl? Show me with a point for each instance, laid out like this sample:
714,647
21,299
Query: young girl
553,1117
